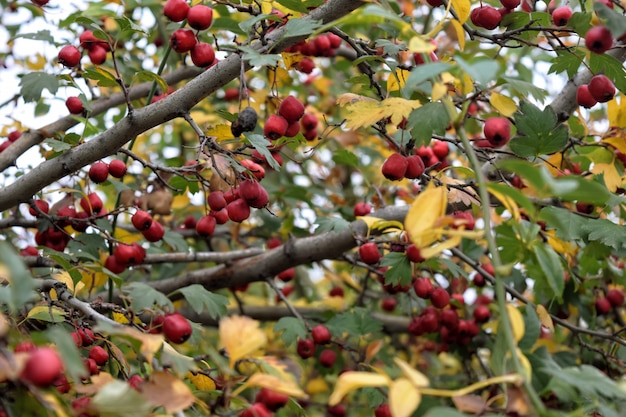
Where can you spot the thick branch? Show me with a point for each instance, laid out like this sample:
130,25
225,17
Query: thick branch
156,114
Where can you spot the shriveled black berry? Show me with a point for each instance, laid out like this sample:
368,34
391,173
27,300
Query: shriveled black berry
236,129
247,119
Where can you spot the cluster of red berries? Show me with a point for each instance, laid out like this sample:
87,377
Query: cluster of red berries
290,120
100,171
265,403
199,17
323,45
174,326
12,137
599,90
398,167
613,299
320,336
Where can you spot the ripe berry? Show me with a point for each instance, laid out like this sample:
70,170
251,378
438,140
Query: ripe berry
394,168
206,225
382,411
439,297
306,65
275,127
362,209
321,334
603,306
615,297
176,328
14,135
113,265
485,17
141,220
91,366
125,254
216,200
327,358
389,304
561,15
440,149
338,410
183,40
97,54
200,17
287,275
99,172
423,287
221,216
42,367
117,168
369,253
291,109
92,203
39,2
482,314
238,210
256,410
601,88
598,39
154,233
413,254
308,122
465,219
271,399
69,56
42,205
305,348
510,4
202,54
415,167
74,105
584,97
98,354
497,131
176,10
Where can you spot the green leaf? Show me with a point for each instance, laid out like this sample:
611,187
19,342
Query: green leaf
257,59
540,132
551,269
345,157
292,329
423,73
151,76
400,271
115,399
144,296
176,241
482,71
568,62
260,143
57,145
580,22
102,78
444,412
201,300
358,322
589,381
524,88
611,67
21,290
331,224
532,328
517,196
294,5
431,118
301,27
613,20
42,35
34,83
72,361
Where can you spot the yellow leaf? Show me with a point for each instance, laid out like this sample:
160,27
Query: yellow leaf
612,179
397,81
65,278
439,90
505,105
432,251
417,44
616,110
460,33
507,202
462,9
241,337
220,132
364,112
617,142
378,224
290,59
517,322
427,209
316,386
353,380
351,98
166,390
47,313
274,383
416,377
544,317
404,398
52,403
528,369
563,247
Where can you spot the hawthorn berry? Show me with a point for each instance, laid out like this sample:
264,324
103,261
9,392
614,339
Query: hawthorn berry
327,358
561,15
584,97
99,355
305,348
202,54
598,39
142,220
275,127
74,105
99,172
176,10
176,328
394,168
291,109
497,131
369,253
43,367
615,297
200,17
154,233
206,225
69,56
362,209
321,335
183,40
439,297
601,88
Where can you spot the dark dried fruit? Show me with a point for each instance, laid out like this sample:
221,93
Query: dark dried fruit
246,122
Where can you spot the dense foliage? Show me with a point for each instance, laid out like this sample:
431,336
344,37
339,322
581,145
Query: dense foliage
313,207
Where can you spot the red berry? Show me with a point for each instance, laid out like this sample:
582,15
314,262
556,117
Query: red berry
176,10
389,304
440,149
125,254
42,205
69,56
603,306
362,209
271,399
200,17
287,275
14,135
99,172
449,318
413,254
74,105
176,328
275,127
141,220
97,54
98,354
415,167
336,292
482,314
216,200
113,265
510,4
615,297
382,411
369,253
584,97
154,233
308,122
423,287
338,410
561,15
238,210
183,40
306,65
25,346
117,168
327,358
497,131
206,225
394,168
601,88
256,410
463,218
91,366
202,54
485,17
135,382
598,39
321,334
291,109
305,348
439,297
92,203
43,367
